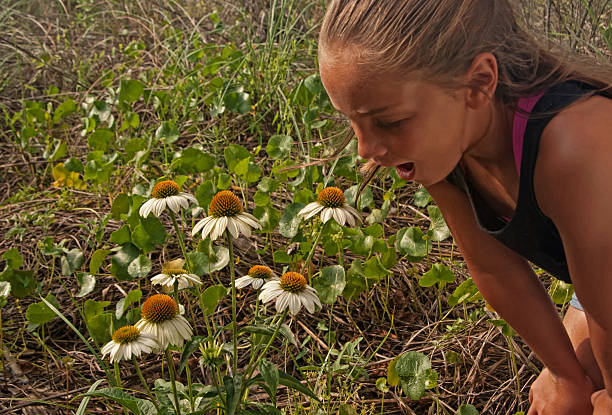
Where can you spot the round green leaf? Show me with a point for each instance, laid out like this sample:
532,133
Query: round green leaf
121,260
279,146
467,409
121,204
140,267
330,283
167,132
437,228
130,90
87,283
72,261
413,371
39,313
410,242
211,297
96,260
289,223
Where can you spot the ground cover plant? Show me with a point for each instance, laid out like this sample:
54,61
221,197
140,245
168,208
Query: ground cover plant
181,235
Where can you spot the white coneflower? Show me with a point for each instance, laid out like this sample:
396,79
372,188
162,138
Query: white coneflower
161,318
256,277
225,212
332,204
128,341
172,272
290,291
166,193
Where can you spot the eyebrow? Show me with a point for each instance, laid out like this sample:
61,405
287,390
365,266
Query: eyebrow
373,111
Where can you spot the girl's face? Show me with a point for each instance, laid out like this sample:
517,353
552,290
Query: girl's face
412,125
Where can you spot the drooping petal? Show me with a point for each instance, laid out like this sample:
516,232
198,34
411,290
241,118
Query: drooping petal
233,229
159,206
308,303
257,283
198,226
314,211
173,203
250,220
338,215
294,304
282,301
326,214
146,207
208,228
244,281
243,227
219,228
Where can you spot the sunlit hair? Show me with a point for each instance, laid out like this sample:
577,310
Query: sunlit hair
437,40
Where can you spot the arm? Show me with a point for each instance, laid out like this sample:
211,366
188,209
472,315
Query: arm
574,188
503,276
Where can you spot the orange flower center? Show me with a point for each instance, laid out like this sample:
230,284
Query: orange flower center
225,203
159,308
174,271
126,334
331,197
260,271
292,282
165,189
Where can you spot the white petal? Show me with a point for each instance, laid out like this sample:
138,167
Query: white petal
243,281
354,212
233,229
282,301
326,214
349,218
250,220
198,226
338,215
308,303
219,228
313,212
294,304
146,207
159,206
258,283
208,228
309,208
172,203
189,197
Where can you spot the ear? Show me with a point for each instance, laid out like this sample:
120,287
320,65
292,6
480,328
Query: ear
481,80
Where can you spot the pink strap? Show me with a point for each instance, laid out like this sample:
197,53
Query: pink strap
519,126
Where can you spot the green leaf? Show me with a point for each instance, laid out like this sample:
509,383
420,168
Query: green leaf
413,371
13,258
346,409
268,217
330,283
193,161
467,409
281,257
439,273
270,374
121,235
83,405
253,173
506,329
234,154
393,378
422,197
100,139
289,381
437,228
205,193
123,304
155,229
233,392
268,185
64,109
55,150
366,199
140,267
121,260
374,270
39,313
130,90
203,264
134,405
466,291
355,281
411,242
167,132
22,282
97,258
279,146
561,292
210,298
98,322
87,283
121,204
261,199
190,346
289,223
72,261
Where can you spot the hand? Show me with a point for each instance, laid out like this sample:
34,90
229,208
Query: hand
602,403
551,395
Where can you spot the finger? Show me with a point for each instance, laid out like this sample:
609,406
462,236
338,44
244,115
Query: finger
530,395
596,395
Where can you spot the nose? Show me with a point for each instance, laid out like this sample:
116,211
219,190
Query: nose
368,146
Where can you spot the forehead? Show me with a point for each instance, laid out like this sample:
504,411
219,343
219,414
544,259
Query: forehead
356,88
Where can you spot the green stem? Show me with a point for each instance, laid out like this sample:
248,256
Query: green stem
176,292
253,365
173,381
189,387
117,373
180,239
514,367
144,383
312,249
233,288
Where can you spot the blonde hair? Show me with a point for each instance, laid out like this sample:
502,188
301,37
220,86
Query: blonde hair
440,38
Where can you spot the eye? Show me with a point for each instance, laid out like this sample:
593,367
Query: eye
388,125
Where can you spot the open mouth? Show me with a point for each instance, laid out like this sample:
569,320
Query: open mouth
405,171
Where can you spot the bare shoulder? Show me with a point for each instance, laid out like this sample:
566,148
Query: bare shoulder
575,155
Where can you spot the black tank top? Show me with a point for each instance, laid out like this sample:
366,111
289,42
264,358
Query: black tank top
529,232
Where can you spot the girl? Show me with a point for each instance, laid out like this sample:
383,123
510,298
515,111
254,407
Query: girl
442,90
